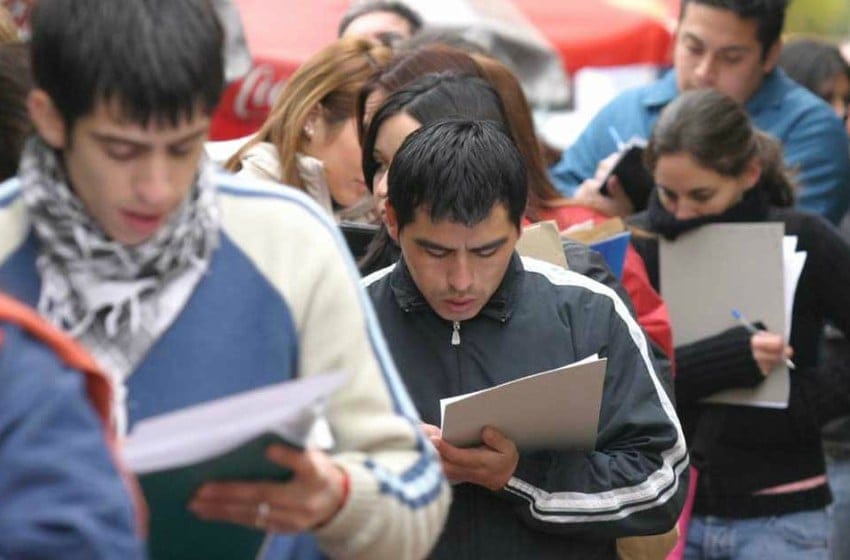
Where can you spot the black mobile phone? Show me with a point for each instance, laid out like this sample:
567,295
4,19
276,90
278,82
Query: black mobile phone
633,175
358,236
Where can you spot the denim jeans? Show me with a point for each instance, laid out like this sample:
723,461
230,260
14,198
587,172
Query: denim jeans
794,536
838,470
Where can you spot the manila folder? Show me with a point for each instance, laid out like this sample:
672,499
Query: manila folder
542,241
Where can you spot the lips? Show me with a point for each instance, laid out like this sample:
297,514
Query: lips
459,304
142,223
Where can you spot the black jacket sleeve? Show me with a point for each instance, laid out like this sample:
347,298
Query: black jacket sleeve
829,265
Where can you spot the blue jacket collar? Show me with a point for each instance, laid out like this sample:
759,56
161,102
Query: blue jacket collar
662,91
770,94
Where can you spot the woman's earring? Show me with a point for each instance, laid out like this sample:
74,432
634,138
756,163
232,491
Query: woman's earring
308,132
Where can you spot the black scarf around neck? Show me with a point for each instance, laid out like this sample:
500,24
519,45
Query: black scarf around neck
753,207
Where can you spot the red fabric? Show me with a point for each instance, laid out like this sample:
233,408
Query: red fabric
678,551
97,384
651,310
605,32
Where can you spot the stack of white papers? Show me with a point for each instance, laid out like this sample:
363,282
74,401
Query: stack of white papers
556,409
793,262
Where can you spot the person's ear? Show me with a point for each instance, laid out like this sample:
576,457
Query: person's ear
46,118
391,219
752,174
772,57
313,122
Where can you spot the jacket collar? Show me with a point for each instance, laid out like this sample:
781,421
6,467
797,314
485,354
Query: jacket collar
770,94
662,91
500,306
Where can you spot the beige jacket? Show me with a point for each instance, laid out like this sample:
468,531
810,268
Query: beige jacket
262,162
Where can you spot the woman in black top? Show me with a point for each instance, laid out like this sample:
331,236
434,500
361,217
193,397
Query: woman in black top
761,472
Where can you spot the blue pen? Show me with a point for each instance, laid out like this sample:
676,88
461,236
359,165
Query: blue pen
616,136
752,330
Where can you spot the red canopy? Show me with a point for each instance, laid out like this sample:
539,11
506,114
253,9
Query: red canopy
605,32
283,33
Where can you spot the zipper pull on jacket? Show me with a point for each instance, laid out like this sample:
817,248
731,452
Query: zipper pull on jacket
456,333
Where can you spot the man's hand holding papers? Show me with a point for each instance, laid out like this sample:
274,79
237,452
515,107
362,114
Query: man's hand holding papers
490,465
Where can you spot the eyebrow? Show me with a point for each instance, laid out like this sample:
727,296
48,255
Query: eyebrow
492,245
425,244
730,48
108,138
672,194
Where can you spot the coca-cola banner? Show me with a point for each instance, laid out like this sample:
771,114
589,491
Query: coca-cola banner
247,101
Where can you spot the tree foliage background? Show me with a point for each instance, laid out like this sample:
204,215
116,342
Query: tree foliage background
825,18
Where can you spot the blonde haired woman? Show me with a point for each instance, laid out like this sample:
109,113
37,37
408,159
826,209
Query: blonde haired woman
309,140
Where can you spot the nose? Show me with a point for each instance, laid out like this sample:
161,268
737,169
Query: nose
684,212
153,187
461,275
704,71
380,188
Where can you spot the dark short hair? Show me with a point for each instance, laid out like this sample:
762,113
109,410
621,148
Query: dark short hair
458,170
432,97
769,16
398,8
156,59
811,62
15,126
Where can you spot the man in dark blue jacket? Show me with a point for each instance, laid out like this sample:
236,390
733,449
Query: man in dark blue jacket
462,312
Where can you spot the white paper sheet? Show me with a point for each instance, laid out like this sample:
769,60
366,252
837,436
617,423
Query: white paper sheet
793,262
555,409
292,409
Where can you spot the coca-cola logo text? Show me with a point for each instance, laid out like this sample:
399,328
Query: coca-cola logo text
258,91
